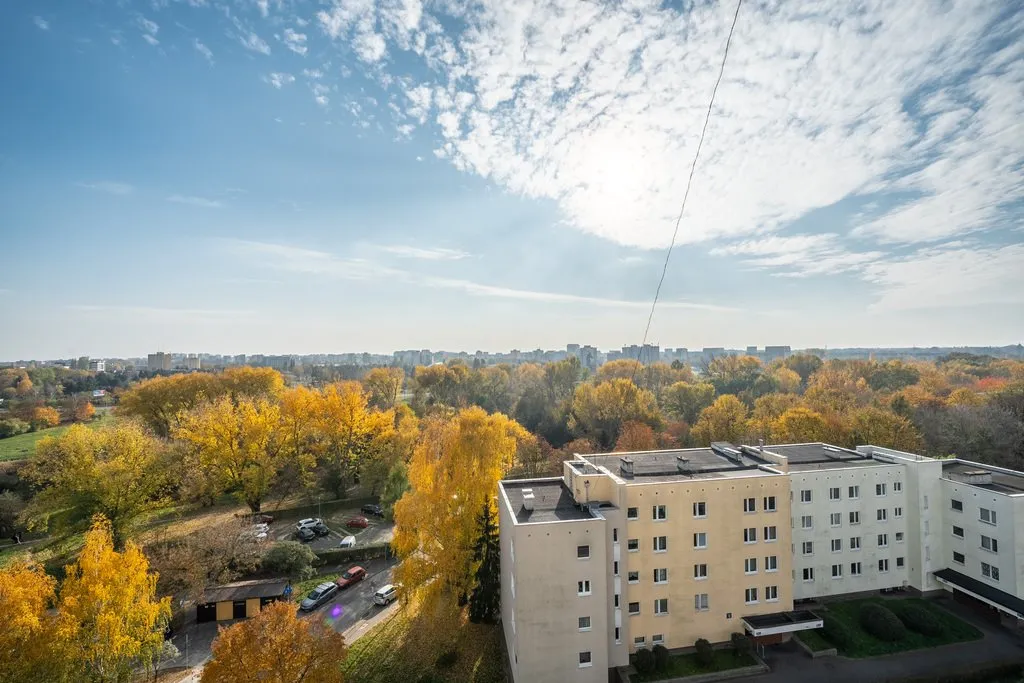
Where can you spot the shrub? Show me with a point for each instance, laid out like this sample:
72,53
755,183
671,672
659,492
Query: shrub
705,655
836,631
880,622
447,659
12,427
644,661
918,619
741,643
290,559
661,657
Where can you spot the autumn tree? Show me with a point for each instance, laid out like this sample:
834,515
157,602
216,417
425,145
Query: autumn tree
635,436
723,420
835,387
733,374
685,401
767,410
29,645
384,386
800,425
599,411
485,599
78,409
350,433
803,364
441,383
43,417
877,427
276,646
298,436
454,474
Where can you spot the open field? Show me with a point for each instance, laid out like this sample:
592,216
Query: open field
23,446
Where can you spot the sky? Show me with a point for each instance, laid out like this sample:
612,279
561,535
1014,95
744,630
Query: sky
278,176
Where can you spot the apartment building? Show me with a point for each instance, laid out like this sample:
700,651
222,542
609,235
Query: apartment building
628,550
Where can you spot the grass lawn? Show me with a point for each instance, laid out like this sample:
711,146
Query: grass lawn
300,589
814,640
686,665
406,646
23,446
864,645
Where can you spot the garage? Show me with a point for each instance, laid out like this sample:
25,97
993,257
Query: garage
239,600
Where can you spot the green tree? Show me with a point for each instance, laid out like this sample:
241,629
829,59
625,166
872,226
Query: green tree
485,600
599,411
685,401
723,420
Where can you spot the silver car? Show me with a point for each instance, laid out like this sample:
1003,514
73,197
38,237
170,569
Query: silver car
318,596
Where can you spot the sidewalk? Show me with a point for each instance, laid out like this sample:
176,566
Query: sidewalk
363,627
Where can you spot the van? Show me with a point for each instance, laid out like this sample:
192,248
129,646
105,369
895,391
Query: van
385,595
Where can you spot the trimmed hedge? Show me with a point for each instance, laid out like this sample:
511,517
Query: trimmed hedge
836,631
661,657
705,654
882,623
644,661
918,620
357,554
741,643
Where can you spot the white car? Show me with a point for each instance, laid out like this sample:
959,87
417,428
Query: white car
385,595
348,542
256,531
308,523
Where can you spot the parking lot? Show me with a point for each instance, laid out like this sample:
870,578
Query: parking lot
378,531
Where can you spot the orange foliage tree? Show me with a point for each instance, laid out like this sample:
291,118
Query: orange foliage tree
44,416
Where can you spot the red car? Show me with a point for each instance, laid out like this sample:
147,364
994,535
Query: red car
358,523
353,575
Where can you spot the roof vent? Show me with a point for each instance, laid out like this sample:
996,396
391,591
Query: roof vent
683,464
626,465
973,477
528,500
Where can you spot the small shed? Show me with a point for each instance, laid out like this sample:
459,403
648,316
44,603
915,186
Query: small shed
238,600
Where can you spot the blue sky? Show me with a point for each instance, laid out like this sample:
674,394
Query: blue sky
277,176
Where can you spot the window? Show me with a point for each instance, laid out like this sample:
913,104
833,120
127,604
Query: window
660,544
583,587
897,486
700,571
989,572
883,565
808,573
853,492
957,505
632,513
661,575
750,596
990,544
583,552
883,540
958,557
855,543
835,519
615,568
633,545
617,639
855,517
879,489
808,547
837,545
833,493
639,641
661,606
750,535
987,516
616,600
837,571
771,593
658,639
899,537
700,540
770,534
855,569
771,563
700,509
585,660
958,531
806,522
750,565
615,535
750,504
899,562
634,608
633,577
584,623
769,504
805,496
658,512
700,602
881,514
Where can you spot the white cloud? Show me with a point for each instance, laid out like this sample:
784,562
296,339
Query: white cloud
41,23
313,73
251,41
798,255
295,41
150,39
109,187
202,202
147,26
426,253
320,92
278,79
264,7
203,50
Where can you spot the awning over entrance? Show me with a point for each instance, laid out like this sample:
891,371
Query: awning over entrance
1002,601
781,622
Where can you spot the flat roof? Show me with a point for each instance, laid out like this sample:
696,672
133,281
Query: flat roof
1002,481
981,589
552,501
781,618
719,461
243,590
804,457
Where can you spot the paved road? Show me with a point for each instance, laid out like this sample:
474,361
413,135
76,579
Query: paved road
355,604
379,531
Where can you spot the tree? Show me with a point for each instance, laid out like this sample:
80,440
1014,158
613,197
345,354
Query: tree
723,420
290,559
636,436
686,401
767,410
43,417
485,600
803,364
395,487
276,646
599,411
454,472
84,412
350,434
893,376
835,387
29,632
884,428
733,374
800,425
384,385
109,608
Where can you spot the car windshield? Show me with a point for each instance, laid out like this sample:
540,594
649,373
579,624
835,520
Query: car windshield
348,575
315,594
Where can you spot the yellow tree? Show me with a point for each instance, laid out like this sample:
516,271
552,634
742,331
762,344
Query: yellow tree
110,618
348,429
599,411
685,401
29,649
454,475
800,425
44,416
877,427
238,445
159,401
251,382
276,646
636,436
767,409
723,420
298,433
384,386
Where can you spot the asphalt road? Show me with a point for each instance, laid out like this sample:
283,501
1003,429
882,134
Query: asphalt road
378,531
355,603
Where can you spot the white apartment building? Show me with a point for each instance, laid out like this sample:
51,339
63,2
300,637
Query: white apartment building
628,550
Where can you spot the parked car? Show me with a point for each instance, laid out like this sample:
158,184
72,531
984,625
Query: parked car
373,509
386,595
318,596
308,523
305,534
348,542
320,529
352,576
358,523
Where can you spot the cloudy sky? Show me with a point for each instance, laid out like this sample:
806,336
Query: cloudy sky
253,176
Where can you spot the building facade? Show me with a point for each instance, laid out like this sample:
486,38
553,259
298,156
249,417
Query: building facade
159,361
630,550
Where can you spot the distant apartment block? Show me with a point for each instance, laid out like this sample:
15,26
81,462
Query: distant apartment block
98,365
160,361
629,550
192,362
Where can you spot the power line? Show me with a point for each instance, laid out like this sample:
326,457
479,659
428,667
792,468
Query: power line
689,181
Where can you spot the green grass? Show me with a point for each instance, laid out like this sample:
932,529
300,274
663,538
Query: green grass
300,589
814,640
686,665
863,644
23,446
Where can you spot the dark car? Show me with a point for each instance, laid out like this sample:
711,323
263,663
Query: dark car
305,534
358,523
318,596
373,509
320,529
353,575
